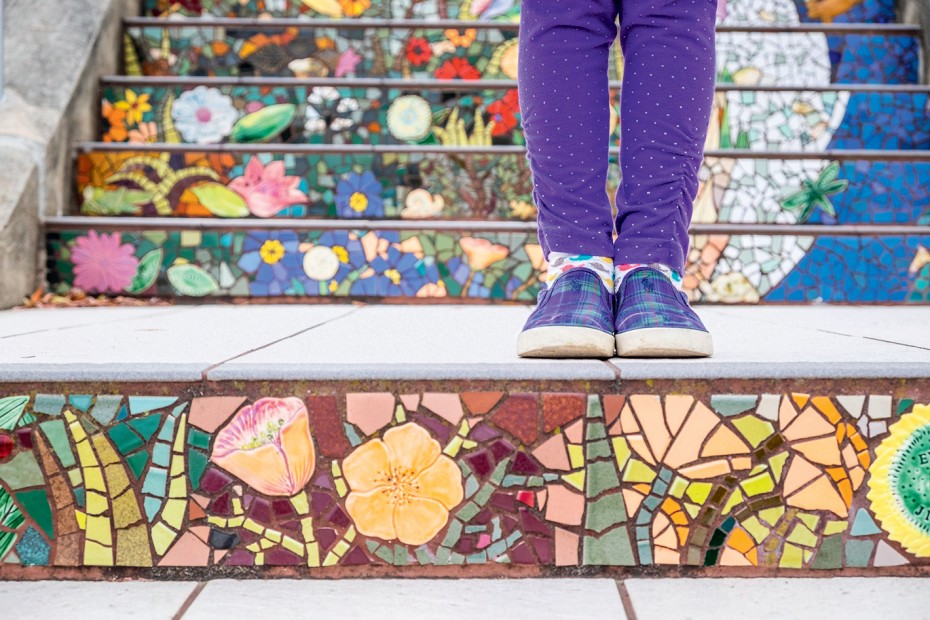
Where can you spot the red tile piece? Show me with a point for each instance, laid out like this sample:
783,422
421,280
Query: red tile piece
613,403
559,409
195,512
446,406
479,403
326,426
210,412
519,416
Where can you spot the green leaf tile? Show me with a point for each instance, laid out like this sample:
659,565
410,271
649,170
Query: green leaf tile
35,504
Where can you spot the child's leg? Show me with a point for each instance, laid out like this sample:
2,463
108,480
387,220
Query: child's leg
564,48
668,84
562,75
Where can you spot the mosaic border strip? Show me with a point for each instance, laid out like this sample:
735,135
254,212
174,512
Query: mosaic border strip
327,479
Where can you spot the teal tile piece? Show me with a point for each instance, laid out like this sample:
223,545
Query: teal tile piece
151,506
611,549
733,404
89,427
49,404
26,419
137,463
605,512
198,439
196,464
21,471
81,401
858,553
351,434
32,549
105,408
35,504
58,437
142,404
123,413
167,429
80,497
124,439
146,426
11,410
864,525
829,554
155,482
601,476
161,454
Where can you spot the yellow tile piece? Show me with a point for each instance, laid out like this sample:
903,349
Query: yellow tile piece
178,487
575,455
698,491
808,554
678,487
710,469
758,469
75,477
98,529
93,479
736,497
162,537
132,547
341,487
86,453
757,485
758,531
350,534
621,451
809,520
637,471
835,527
800,535
576,479
469,444
772,515
341,547
400,415
177,466
117,480
97,503
273,535
791,557
293,546
692,509
97,555
81,517
777,463
454,446
754,429
259,559
125,510
173,512
191,238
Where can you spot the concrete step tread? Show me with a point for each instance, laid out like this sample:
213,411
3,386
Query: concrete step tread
474,599
356,341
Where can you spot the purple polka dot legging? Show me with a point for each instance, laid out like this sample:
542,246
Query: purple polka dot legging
668,83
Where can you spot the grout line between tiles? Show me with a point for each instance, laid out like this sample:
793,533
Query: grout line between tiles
212,367
625,600
175,310
614,368
189,600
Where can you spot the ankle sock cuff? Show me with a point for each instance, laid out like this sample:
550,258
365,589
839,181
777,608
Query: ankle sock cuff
621,271
561,262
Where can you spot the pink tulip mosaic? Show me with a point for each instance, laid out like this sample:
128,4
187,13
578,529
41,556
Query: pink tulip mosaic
326,479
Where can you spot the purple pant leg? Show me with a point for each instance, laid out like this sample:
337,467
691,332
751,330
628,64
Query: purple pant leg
668,84
562,78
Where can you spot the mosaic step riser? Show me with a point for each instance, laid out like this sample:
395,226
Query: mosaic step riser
464,186
450,265
423,52
507,10
494,478
383,115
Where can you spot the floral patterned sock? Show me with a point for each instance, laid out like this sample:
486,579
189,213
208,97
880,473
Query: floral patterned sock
621,271
560,262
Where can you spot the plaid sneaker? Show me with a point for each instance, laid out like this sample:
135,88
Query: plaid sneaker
573,318
653,319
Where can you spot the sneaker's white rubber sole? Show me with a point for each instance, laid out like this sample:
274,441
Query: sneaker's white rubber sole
665,342
565,342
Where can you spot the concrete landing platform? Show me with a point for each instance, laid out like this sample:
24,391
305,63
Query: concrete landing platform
337,342
516,599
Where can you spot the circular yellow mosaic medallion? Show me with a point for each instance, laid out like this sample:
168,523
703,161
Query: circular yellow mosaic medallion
899,486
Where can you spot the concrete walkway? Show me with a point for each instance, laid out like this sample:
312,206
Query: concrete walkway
477,599
226,342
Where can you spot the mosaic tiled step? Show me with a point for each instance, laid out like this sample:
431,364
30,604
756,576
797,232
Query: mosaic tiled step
286,475
456,112
455,49
464,261
493,183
